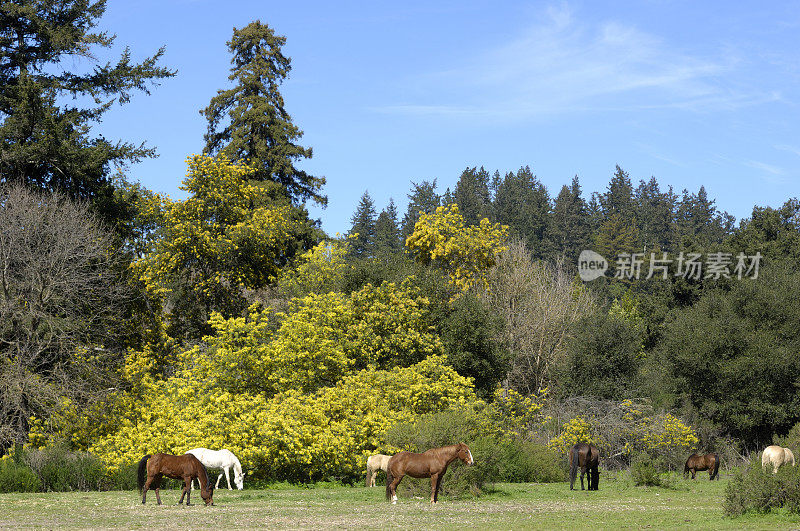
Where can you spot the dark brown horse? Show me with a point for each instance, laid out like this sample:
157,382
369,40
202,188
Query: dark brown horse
587,457
431,464
697,463
186,467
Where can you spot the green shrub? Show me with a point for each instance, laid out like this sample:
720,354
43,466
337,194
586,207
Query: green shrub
122,478
521,461
754,489
644,472
15,477
61,470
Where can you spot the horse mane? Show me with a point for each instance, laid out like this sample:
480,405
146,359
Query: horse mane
237,466
205,472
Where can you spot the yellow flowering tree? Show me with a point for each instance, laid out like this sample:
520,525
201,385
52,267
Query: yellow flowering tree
575,431
465,253
318,270
227,236
293,435
317,341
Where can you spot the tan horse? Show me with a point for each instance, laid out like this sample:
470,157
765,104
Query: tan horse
776,456
374,463
431,464
186,467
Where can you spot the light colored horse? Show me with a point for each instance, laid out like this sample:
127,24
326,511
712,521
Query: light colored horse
374,463
776,456
223,459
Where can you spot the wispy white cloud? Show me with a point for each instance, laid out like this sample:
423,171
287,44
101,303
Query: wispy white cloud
769,168
790,149
565,65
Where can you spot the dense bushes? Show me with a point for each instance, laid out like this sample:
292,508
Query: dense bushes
17,477
754,489
57,469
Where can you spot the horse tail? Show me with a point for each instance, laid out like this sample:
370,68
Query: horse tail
686,466
389,479
141,473
573,466
716,467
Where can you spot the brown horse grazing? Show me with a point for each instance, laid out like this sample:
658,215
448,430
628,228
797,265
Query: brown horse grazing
587,457
698,463
431,464
186,467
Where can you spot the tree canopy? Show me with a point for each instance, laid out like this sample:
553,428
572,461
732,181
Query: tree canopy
44,141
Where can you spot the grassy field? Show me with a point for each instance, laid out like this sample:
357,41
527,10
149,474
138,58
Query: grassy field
618,504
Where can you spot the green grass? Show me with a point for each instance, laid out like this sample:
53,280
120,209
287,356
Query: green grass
618,504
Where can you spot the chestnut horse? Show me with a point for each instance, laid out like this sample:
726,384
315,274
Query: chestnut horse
431,464
186,467
587,457
698,463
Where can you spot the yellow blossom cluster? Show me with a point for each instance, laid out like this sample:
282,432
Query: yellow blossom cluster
464,252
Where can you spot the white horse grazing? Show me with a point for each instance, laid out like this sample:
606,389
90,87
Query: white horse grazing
374,463
223,459
776,456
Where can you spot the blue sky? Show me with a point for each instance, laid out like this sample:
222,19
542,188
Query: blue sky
392,92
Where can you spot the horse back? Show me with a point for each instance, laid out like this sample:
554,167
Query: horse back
174,466
411,464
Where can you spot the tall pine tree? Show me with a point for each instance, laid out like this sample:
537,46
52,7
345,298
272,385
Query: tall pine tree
523,203
46,110
362,230
387,232
569,229
655,212
423,198
618,198
471,194
249,121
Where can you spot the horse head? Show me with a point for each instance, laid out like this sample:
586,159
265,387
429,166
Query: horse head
465,454
238,480
207,494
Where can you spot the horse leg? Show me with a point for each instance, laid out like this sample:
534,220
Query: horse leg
227,471
434,487
187,483
183,494
583,472
694,471
144,489
393,488
157,481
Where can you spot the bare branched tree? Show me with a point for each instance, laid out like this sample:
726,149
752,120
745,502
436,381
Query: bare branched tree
538,301
58,302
